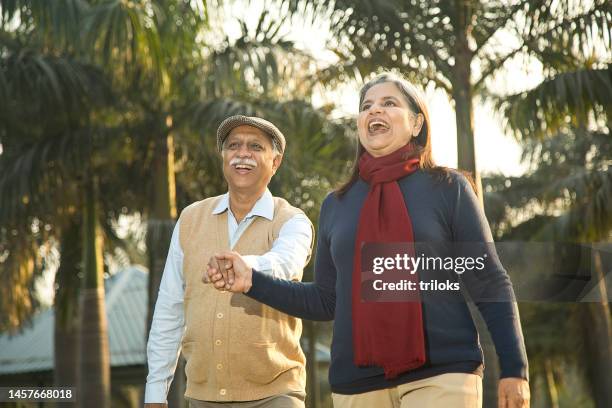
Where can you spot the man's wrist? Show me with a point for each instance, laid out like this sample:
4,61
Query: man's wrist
155,393
248,282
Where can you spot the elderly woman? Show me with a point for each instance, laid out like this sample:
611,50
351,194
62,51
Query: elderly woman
422,353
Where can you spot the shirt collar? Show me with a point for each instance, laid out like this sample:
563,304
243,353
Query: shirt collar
264,207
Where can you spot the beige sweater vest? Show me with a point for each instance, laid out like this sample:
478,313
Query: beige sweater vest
236,348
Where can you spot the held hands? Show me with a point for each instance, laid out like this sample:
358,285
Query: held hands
228,271
513,393
221,267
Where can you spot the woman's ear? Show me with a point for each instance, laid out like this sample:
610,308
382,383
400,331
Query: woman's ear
418,124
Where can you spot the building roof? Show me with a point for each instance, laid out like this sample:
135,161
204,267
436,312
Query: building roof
126,307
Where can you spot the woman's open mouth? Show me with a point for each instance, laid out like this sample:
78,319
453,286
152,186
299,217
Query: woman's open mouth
377,126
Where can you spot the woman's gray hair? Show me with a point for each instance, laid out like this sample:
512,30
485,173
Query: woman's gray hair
410,92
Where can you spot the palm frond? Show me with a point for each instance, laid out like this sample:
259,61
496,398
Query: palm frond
123,37
558,103
262,61
19,266
53,23
40,178
572,22
570,184
47,91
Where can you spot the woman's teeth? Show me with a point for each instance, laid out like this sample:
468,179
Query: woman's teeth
377,125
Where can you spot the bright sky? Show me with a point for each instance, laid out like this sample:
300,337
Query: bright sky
495,151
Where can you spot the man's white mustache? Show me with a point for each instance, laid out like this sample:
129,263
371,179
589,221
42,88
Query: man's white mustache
244,161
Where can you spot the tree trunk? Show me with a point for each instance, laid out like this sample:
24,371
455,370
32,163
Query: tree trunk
551,385
94,374
159,233
466,160
313,396
598,338
462,96
161,219
67,283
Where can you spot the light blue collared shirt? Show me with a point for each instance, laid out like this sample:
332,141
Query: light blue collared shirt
285,260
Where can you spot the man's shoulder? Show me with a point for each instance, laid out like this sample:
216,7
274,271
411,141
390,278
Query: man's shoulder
281,204
207,204
283,210
194,214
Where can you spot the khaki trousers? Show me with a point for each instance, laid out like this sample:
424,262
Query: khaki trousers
453,390
291,400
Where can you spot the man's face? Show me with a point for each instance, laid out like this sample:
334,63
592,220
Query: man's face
249,160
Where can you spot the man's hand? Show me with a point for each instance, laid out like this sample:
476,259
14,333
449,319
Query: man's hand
223,267
513,393
239,273
156,405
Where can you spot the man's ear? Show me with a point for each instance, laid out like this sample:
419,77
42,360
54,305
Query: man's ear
277,162
418,124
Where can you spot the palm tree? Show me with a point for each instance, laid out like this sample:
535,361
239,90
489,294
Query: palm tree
560,200
60,32
564,123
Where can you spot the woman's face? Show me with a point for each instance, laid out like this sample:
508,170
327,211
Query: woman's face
385,122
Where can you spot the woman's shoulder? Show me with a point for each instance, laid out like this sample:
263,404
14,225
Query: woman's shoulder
447,179
348,200
329,210
328,204
356,191
329,199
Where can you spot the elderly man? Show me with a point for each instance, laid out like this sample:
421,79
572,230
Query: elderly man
264,367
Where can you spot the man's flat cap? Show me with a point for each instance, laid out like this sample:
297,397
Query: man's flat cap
239,120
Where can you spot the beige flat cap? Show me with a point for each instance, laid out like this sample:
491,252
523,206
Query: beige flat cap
239,120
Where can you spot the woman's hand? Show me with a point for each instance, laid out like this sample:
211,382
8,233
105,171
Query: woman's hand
513,393
238,277
217,266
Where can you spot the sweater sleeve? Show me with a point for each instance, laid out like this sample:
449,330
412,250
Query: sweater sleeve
307,300
490,288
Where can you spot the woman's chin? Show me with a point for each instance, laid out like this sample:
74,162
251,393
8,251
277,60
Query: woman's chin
376,144
380,149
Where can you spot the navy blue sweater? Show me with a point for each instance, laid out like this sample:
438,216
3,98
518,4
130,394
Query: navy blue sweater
441,211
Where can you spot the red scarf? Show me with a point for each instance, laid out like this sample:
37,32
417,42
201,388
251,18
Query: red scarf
380,337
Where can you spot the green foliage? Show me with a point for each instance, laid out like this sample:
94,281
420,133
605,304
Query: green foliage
564,125
95,89
570,183
559,103
424,40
